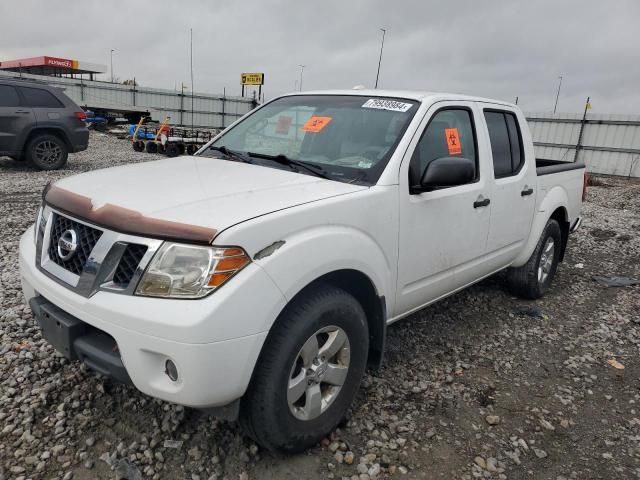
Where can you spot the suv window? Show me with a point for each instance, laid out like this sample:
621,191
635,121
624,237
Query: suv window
450,133
39,98
9,96
506,143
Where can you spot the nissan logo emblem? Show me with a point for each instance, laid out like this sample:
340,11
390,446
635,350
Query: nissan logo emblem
67,244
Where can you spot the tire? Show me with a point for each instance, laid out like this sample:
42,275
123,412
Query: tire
191,149
182,148
172,150
534,278
151,147
138,146
330,315
47,152
162,149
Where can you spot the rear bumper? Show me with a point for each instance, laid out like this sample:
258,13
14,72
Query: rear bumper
214,342
576,225
79,140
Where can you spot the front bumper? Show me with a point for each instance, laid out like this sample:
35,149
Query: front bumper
214,341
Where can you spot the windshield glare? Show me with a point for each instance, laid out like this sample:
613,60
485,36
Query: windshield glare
350,137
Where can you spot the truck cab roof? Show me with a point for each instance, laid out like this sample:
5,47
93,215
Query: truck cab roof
420,96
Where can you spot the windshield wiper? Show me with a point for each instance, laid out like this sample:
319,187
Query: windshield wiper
284,160
232,154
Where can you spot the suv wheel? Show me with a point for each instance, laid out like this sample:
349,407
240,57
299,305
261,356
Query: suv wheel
47,152
533,279
308,372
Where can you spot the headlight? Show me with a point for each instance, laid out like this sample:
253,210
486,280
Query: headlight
41,223
189,271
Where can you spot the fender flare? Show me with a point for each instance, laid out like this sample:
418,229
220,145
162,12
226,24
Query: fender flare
36,129
339,255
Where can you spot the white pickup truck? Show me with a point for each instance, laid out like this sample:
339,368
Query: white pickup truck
256,279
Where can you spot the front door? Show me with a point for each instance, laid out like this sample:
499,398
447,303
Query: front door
443,232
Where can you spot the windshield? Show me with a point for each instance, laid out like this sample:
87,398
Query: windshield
347,138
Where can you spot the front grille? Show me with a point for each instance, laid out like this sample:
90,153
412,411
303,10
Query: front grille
128,264
87,237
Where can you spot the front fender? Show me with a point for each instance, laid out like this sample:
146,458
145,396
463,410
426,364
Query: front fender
553,199
325,249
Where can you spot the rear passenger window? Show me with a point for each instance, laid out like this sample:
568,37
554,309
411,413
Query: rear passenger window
450,133
39,98
9,96
506,143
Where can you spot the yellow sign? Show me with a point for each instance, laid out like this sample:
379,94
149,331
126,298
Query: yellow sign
252,79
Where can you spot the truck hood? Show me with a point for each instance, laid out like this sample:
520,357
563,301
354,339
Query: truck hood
207,193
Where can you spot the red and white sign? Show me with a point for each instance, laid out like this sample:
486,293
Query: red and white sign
58,62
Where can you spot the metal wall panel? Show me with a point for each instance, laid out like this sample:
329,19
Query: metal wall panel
160,103
610,142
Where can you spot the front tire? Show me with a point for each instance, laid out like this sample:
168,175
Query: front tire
47,152
534,278
308,372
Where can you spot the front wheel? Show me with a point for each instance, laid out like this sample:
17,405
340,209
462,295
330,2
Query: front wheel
533,279
308,372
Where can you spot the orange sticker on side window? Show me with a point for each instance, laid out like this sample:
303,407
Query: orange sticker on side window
315,124
453,141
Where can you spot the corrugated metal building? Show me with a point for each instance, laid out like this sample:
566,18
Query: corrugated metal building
209,110
610,143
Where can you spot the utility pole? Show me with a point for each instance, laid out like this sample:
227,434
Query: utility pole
558,94
112,50
191,47
301,71
587,106
384,32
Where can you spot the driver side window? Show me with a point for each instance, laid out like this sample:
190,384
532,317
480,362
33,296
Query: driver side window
450,133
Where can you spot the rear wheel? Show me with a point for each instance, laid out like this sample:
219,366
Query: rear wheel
138,146
172,150
534,278
152,147
191,149
47,152
308,372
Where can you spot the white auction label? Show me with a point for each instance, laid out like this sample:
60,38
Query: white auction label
383,104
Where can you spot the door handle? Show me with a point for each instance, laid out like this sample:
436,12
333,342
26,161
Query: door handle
481,203
23,111
526,192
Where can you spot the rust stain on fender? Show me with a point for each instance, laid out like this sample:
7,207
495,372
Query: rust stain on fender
125,220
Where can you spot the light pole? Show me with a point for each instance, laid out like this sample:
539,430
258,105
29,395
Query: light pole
112,50
301,71
558,94
384,32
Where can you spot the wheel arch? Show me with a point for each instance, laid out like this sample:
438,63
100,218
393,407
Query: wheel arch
362,288
554,206
57,132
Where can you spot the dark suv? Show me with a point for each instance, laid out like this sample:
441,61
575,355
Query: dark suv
39,124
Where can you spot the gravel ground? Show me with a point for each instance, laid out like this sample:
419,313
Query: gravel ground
481,385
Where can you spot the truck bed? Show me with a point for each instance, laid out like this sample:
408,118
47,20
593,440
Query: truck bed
546,166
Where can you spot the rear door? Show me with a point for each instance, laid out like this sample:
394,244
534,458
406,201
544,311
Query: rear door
514,195
443,233
46,107
15,120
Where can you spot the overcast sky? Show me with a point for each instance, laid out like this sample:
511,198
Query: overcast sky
493,48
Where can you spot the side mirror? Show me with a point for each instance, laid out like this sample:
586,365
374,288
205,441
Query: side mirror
447,172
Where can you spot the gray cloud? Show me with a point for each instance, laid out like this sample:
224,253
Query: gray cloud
491,48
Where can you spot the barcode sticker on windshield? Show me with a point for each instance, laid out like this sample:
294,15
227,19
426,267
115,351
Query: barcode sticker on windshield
383,104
